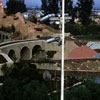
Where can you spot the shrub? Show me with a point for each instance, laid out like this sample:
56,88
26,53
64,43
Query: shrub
55,26
14,6
75,29
93,29
38,29
35,91
32,19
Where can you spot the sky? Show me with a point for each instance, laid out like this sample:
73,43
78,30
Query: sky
37,3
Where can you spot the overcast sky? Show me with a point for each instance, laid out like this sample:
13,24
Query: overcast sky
35,3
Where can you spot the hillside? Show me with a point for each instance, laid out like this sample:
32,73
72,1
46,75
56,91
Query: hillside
27,28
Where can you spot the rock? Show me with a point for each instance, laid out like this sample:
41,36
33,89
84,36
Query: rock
21,18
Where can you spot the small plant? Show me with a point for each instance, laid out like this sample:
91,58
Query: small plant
38,29
4,16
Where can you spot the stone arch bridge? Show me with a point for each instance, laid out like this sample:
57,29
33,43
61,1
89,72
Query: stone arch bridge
29,49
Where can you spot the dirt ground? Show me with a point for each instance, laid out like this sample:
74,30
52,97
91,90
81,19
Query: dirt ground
27,28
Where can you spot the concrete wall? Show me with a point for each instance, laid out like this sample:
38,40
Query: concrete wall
9,62
24,49
4,36
47,66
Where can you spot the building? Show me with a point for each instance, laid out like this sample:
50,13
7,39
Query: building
1,7
94,45
95,16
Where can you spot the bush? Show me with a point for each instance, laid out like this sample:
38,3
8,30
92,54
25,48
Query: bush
38,29
89,91
8,29
93,29
55,26
11,89
79,93
1,93
75,29
32,19
14,6
35,91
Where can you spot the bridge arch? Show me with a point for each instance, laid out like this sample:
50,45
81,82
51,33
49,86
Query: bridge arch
25,53
2,59
12,54
37,52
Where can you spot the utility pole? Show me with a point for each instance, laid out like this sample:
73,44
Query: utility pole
62,67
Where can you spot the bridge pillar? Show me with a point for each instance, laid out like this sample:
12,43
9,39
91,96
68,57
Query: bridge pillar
1,37
18,56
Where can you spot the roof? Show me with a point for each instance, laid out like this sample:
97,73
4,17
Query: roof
83,52
93,45
97,55
69,46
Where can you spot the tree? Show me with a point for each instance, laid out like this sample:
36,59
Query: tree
45,6
13,28
70,9
14,6
50,6
1,93
69,6
78,93
11,89
84,9
53,6
35,91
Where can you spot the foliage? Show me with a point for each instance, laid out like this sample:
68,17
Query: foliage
14,6
79,93
32,19
11,89
8,29
50,6
44,6
23,82
89,91
68,6
75,29
84,10
1,94
53,6
35,90
91,31
54,26
94,89
38,29
13,28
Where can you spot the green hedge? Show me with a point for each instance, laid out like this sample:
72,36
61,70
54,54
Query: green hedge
75,29
79,29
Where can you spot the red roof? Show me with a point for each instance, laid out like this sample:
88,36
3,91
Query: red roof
83,52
